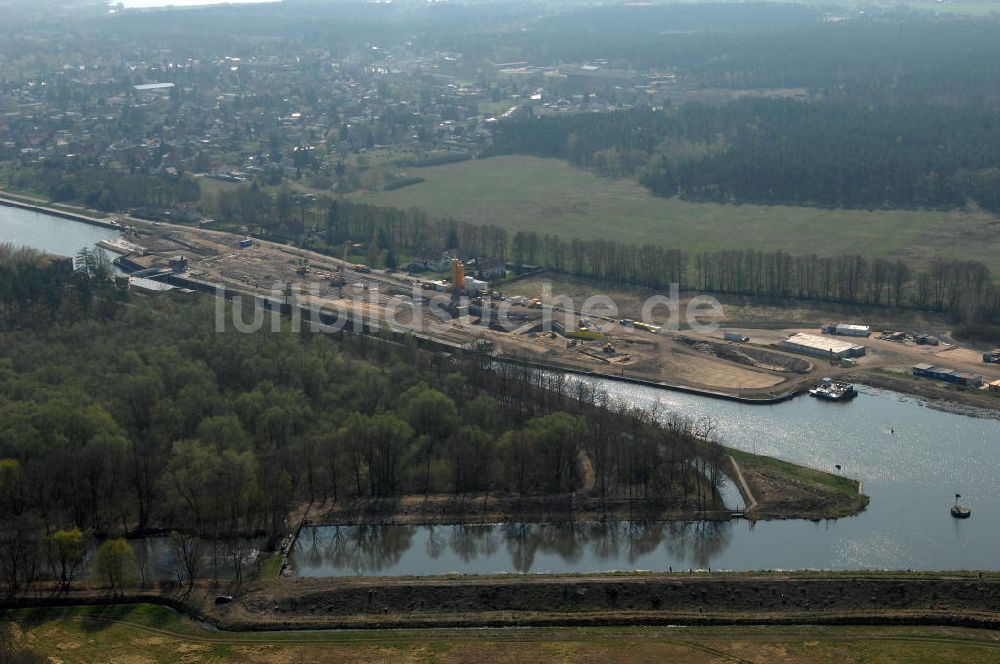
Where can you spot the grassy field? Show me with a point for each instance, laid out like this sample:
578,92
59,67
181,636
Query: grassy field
838,483
550,196
151,634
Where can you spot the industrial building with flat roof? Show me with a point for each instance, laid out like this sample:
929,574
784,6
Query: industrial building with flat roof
847,329
812,344
948,375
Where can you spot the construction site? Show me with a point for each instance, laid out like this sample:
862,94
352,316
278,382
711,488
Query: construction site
746,363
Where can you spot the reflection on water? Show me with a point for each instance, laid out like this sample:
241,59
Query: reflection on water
496,548
357,548
911,459
156,559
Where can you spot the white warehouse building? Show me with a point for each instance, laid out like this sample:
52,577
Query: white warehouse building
475,286
847,330
812,344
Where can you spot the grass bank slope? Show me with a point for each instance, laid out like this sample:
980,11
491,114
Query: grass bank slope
154,634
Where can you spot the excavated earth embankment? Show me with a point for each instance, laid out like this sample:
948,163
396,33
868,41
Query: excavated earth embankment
608,599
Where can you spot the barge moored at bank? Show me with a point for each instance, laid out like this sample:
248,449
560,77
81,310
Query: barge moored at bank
829,390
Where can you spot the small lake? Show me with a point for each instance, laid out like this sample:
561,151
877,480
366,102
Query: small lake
54,235
911,459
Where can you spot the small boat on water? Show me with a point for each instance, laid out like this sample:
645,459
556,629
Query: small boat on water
960,511
829,390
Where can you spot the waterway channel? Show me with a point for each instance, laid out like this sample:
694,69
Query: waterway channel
911,459
54,235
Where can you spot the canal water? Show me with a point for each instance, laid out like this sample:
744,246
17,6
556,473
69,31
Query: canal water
54,235
911,459
159,562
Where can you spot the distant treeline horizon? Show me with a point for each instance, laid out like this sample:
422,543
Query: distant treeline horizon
782,151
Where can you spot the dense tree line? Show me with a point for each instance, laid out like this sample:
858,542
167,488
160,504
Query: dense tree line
783,151
898,60
98,188
153,420
963,288
35,292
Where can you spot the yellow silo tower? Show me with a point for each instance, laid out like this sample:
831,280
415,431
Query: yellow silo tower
457,275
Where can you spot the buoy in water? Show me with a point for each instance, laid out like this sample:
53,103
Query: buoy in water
960,511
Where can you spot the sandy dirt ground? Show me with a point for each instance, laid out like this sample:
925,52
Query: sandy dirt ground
666,358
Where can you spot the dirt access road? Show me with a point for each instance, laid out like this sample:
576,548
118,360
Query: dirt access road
701,361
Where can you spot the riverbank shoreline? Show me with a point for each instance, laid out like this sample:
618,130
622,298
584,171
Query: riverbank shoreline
770,488
439,510
971,403
24,203
760,400
931,394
